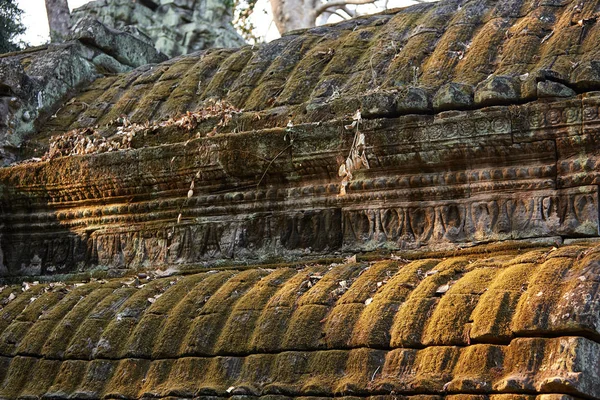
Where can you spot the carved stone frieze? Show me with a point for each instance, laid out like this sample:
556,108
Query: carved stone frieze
233,234
458,177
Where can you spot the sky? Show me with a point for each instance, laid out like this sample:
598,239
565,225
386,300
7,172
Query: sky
34,18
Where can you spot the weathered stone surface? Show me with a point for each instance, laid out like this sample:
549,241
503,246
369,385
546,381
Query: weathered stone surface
498,90
554,89
125,48
453,96
237,157
173,27
516,174
35,83
450,330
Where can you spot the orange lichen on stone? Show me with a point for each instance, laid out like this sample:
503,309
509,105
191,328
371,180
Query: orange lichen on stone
469,324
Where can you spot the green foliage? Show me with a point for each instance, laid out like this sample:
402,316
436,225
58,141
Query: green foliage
10,26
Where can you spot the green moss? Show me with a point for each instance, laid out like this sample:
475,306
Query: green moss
369,281
524,356
193,84
177,70
397,362
340,324
16,376
39,305
433,368
140,343
222,373
115,337
12,336
432,281
449,321
126,103
128,378
473,370
305,329
361,369
289,369
410,321
176,293
324,370
4,366
40,378
374,325
270,329
328,289
69,377
232,291
97,375
235,337
203,334
474,282
258,371
85,341
182,314
399,286
186,377
534,257
14,308
262,293
493,315
157,378
264,95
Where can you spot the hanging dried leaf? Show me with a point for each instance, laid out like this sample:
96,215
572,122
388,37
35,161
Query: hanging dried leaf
361,139
364,160
349,165
342,171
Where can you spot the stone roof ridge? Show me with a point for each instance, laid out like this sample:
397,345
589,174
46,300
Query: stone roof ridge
464,327
423,59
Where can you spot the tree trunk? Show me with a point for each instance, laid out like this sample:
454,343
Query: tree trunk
290,15
59,19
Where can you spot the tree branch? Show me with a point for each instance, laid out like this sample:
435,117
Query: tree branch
338,4
324,17
351,13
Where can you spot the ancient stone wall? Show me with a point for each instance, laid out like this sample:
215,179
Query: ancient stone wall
35,83
174,27
402,206
460,151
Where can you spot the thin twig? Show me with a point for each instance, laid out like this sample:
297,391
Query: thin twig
271,163
375,373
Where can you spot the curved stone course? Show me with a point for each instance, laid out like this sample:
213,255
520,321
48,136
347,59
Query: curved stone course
477,140
505,323
449,55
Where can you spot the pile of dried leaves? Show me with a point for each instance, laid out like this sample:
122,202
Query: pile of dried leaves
90,141
209,109
87,141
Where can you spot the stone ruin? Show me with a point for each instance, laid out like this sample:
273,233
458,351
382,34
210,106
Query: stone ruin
35,83
174,27
401,206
